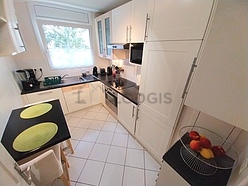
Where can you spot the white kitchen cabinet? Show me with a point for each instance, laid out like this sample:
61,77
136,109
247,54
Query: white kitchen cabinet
102,94
168,176
165,69
46,95
128,22
77,97
127,113
220,86
10,36
95,88
154,134
121,23
104,35
178,20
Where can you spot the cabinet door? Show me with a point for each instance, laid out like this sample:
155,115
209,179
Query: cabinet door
121,23
95,88
220,85
46,95
138,20
153,133
77,97
127,113
104,35
164,75
178,19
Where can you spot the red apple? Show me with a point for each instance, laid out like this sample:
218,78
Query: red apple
205,143
195,145
194,135
218,150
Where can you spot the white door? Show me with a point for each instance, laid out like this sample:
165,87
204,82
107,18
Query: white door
121,23
164,75
178,19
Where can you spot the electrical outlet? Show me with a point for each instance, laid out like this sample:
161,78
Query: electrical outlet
243,166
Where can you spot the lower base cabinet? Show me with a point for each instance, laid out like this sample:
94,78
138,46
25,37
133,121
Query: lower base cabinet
168,176
153,133
77,97
46,95
127,112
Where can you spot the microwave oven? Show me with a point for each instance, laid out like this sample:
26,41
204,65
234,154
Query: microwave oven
136,53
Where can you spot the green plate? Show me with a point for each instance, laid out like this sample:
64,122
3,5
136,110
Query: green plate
35,136
36,110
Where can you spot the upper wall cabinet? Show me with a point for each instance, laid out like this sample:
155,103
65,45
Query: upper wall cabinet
104,35
10,36
220,84
178,20
129,21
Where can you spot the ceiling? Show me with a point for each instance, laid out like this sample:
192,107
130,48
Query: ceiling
92,5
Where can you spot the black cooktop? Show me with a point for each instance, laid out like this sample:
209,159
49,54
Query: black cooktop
120,83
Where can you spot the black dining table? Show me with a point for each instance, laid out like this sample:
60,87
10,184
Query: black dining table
16,125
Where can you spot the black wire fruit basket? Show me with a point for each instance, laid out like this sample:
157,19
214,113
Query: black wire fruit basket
200,164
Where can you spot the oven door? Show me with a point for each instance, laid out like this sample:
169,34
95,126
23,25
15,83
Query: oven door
111,100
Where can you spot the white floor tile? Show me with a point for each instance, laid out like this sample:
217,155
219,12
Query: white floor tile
81,184
120,140
84,123
91,173
101,116
133,177
105,137
151,163
112,175
78,114
103,110
132,143
111,118
109,126
91,135
72,122
83,149
99,152
90,115
150,177
77,133
117,155
120,129
96,125
76,166
95,108
135,158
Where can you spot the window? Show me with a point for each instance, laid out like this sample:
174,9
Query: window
66,45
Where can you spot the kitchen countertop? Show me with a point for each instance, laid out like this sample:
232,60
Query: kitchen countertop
17,125
131,91
174,159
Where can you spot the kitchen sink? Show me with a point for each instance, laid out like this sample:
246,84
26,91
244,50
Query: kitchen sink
72,79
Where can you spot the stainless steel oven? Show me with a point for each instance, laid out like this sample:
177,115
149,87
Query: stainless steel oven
111,99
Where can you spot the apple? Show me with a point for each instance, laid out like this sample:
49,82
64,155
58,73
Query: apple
205,143
218,151
195,145
194,135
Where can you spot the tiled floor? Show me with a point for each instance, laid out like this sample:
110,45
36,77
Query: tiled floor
105,154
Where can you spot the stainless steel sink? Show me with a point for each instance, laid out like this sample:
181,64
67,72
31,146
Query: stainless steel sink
72,79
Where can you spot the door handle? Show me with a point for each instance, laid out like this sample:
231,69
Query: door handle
147,19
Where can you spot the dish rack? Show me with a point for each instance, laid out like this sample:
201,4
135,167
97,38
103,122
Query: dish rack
52,80
200,164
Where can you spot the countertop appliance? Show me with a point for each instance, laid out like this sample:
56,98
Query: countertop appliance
27,78
109,70
102,72
95,73
111,99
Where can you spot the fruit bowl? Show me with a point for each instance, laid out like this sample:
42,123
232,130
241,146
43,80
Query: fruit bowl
201,165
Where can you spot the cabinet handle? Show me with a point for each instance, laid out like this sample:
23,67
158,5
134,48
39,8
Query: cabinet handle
189,77
78,92
130,34
42,93
127,34
17,28
147,19
133,112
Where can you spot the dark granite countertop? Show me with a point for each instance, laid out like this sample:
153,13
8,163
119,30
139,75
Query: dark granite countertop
129,91
174,159
17,125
